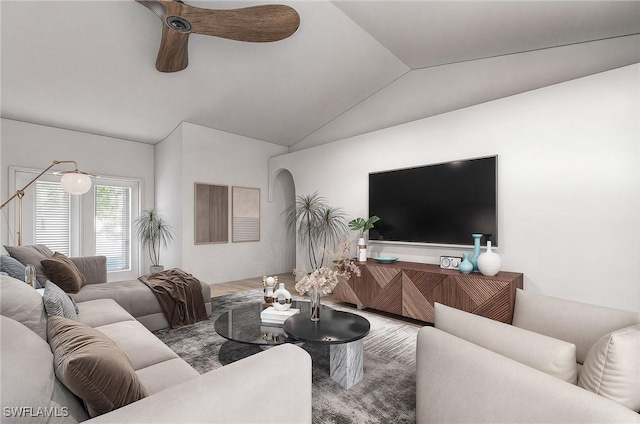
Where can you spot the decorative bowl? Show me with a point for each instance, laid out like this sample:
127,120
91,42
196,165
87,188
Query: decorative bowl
386,259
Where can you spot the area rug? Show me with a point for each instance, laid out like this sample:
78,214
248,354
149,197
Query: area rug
385,395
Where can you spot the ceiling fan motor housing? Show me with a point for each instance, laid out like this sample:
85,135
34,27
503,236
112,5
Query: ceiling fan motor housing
179,24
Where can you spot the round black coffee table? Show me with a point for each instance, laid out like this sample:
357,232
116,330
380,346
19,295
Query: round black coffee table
243,325
343,332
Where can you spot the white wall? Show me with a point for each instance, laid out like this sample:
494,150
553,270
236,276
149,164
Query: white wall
216,157
569,181
168,173
36,146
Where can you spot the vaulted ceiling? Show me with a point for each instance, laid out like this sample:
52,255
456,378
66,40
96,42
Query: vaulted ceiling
352,67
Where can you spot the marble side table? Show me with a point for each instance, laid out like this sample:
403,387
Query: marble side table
343,332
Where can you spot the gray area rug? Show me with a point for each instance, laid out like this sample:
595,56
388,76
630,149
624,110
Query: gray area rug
385,395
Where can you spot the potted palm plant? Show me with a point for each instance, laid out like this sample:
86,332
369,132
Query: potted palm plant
320,227
154,233
317,225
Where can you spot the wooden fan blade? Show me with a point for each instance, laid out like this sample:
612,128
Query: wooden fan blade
258,24
158,7
173,53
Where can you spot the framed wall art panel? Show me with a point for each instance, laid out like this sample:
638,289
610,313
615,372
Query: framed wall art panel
211,213
245,214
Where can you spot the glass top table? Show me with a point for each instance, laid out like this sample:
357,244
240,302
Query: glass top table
243,325
342,331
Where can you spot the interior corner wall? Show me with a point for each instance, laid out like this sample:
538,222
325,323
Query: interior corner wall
217,157
36,146
568,181
168,177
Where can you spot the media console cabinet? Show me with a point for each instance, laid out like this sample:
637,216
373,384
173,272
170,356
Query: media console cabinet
410,289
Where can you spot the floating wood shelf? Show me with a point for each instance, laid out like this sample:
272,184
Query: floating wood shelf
410,289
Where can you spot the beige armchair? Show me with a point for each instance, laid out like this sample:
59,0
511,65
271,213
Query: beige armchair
560,361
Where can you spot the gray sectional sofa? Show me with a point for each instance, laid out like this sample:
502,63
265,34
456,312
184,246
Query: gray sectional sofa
240,392
133,295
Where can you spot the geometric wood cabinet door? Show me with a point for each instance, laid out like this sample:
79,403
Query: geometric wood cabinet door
410,289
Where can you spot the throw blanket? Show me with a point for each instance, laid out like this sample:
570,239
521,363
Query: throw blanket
179,295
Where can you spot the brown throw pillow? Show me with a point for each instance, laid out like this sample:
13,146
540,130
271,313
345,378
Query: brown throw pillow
92,366
64,273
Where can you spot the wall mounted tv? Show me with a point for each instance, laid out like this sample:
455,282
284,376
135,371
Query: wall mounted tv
441,204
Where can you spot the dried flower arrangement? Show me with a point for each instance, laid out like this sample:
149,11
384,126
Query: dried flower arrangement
324,279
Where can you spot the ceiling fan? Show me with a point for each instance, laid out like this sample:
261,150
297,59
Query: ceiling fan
259,24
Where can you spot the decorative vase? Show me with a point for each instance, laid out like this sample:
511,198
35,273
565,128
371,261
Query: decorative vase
489,262
286,298
465,266
362,250
156,268
30,275
314,297
476,250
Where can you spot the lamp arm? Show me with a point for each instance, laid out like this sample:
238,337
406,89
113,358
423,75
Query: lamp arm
20,193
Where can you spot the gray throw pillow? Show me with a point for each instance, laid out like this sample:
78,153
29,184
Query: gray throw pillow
32,254
58,303
12,267
20,302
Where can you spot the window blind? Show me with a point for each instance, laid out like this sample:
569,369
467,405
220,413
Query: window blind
52,217
113,226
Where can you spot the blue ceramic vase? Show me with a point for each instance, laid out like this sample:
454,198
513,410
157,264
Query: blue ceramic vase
465,266
476,251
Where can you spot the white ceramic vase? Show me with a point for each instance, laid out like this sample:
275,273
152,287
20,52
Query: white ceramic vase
283,294
489,262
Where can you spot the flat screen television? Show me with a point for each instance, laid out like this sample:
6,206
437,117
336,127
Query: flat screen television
441,204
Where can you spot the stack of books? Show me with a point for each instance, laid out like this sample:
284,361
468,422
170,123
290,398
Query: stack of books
272,316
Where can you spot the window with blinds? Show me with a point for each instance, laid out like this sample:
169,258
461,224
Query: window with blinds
113,226
53,217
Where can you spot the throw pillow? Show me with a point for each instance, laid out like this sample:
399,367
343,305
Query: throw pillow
12,267
92,366
58,303
62,271
612,367
32,254
20,302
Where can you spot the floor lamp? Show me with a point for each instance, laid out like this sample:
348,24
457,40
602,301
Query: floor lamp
73,182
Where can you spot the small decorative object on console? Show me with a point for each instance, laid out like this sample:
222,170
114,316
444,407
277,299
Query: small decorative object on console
362,250
386,259
362,225
489,262
465,266
273,316
450,262
476,250
286,298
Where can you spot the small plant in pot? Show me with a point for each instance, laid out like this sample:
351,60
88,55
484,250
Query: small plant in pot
154,233
362,225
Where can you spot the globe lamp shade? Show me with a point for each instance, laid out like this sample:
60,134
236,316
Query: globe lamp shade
76,182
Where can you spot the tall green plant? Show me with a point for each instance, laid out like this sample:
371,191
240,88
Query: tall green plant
154,233
317,225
